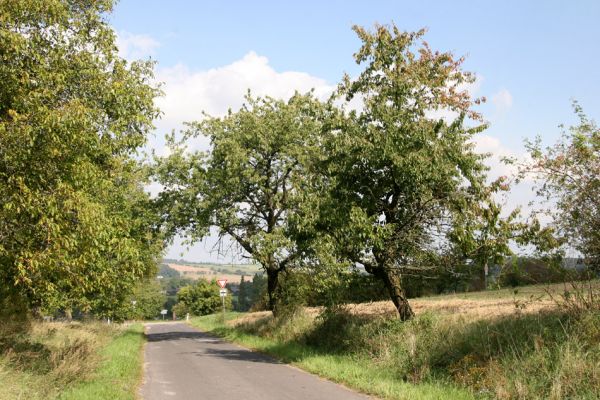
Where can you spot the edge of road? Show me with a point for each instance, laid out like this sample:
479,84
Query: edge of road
279,361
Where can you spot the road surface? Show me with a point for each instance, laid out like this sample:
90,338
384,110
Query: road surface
182,363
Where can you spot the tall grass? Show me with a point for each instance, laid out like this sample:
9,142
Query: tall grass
53,358
119,374
548,355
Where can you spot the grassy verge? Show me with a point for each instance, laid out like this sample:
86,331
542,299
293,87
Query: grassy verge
550,354
352,369
120,372
71,361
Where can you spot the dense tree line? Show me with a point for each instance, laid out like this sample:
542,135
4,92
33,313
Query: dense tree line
76,227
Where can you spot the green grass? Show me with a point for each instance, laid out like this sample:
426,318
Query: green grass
353,370
553,354
71,361
520,292
120,372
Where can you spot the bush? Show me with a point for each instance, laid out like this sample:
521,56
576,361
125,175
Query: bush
201,298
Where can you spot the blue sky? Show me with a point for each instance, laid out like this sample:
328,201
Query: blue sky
532,57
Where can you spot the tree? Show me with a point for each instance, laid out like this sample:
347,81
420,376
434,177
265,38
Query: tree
144,302
397,176
250,183
201,298
75,224
257,292
167,272
242,297
568,175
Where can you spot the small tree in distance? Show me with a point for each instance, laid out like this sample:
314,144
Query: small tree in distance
201,298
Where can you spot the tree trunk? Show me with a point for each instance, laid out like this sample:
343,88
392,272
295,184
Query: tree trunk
272,286
481,280
393,282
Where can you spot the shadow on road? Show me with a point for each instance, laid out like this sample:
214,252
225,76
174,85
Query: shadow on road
221,349
236,355
178,335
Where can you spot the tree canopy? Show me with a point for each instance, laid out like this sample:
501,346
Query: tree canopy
250,182
75,226
568,176
397,174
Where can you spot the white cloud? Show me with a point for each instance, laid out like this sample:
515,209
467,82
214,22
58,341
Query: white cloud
188,93
502,101
493,146
136,46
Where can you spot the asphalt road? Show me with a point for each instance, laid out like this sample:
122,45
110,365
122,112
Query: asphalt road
182,363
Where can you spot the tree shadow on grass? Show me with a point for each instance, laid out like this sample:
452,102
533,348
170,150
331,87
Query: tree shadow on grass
24,354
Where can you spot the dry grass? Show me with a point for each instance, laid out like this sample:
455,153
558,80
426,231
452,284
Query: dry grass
51,356
526,344
474,305
472,308
190,268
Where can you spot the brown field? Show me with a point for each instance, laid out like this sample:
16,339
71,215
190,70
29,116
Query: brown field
189,268
474,305
188,271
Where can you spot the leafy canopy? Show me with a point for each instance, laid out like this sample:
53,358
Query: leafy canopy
401,170
252,180
568,176
74,220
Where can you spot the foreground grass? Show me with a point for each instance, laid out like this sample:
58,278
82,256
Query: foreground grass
550,354
71,361
357,371
119,374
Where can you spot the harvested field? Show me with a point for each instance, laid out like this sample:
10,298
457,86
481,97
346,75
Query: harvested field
474,305
192,272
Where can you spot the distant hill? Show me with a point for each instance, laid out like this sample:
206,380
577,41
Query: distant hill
201,270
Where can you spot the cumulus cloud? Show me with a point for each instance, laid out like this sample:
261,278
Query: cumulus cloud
521,195
136,46
493,146
188,93
502,101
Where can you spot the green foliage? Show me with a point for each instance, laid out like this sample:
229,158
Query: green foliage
167,272
521,271
172,285
75,223
568,175
257,293
149,300
201,298
250,183
397,180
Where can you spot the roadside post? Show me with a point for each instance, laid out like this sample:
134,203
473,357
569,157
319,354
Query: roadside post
222,293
